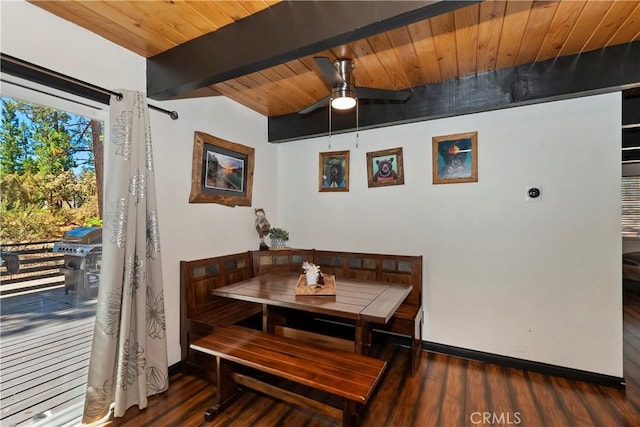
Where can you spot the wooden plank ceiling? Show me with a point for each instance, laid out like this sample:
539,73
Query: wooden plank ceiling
474,39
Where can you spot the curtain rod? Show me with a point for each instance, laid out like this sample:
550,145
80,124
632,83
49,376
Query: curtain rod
35,73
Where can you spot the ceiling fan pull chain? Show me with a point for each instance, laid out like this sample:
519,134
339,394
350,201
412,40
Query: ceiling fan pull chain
329,123
357,123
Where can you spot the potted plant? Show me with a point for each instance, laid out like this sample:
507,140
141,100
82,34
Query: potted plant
279,237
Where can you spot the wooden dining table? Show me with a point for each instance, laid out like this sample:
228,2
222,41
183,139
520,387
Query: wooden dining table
364,303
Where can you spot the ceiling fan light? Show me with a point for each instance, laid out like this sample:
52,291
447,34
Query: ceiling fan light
343,99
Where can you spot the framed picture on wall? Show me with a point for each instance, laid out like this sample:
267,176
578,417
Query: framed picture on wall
385,168
455,158
222,171
333,171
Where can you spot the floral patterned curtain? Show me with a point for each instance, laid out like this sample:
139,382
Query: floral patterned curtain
129,352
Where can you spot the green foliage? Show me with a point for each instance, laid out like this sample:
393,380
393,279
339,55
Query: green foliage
93,222
279,233
47,174
27,224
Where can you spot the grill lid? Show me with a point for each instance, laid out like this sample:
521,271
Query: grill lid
83,235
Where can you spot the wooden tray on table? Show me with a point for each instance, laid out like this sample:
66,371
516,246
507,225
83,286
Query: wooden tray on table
327,288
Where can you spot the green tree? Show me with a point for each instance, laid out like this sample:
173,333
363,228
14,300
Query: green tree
15,139
47,171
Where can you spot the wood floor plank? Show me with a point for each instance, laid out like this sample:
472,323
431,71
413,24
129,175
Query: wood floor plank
600,412
405,410
453,407
431,390
524,400
566,392
551,411
498,391
385,399
476,391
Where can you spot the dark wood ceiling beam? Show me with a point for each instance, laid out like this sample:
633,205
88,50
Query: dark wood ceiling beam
606,70
278,34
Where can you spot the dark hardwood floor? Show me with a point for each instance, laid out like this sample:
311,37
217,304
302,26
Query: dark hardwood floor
446,391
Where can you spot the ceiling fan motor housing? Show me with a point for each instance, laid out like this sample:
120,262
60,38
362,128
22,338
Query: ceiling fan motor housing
346,87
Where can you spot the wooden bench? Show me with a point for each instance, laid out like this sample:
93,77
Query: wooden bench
408,318
349,376
280,261
200,311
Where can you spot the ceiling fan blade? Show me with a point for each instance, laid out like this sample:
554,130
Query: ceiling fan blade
329,72
391,95
315,106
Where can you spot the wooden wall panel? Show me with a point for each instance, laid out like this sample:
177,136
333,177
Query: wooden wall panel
537,26
466,21
515,22
489,29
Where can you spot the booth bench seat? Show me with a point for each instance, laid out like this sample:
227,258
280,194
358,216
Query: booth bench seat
349,376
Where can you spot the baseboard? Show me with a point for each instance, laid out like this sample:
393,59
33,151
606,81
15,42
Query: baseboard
528,365
175,369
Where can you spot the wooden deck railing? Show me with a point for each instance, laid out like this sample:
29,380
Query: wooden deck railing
39,267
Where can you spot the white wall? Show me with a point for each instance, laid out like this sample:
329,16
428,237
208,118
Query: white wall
532,280
188,231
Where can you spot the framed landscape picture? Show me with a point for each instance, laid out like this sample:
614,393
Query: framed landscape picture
385,168
455,158
222,171
333,171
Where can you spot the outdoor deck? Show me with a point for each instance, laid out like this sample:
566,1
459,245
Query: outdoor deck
45,339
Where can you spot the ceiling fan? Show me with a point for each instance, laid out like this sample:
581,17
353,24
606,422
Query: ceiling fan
344,92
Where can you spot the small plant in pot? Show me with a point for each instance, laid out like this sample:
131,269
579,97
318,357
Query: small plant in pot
279,237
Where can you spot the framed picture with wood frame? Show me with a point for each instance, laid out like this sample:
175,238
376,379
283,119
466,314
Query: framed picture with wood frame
455,158
222,171
333,171
385,168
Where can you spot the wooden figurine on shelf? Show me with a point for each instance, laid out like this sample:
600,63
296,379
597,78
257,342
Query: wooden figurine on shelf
263,227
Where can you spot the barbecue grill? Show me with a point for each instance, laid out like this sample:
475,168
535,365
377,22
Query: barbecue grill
82,249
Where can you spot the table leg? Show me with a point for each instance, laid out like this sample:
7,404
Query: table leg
363,337
271,317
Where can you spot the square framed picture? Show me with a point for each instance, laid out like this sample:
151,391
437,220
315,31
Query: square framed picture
222,171
333,171
385,168
455,158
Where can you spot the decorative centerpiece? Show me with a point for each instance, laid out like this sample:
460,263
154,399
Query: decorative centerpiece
279,238
314,282
312,274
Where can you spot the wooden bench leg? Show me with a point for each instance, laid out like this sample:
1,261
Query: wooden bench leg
350,416
416,343
225,389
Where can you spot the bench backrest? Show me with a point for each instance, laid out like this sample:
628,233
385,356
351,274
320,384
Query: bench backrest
385,268
198,278
284,261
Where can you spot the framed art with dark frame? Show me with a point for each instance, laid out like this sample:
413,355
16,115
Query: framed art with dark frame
333,171
385,168
222,171
455,158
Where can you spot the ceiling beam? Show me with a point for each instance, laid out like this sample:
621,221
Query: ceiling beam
280,33
606,70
